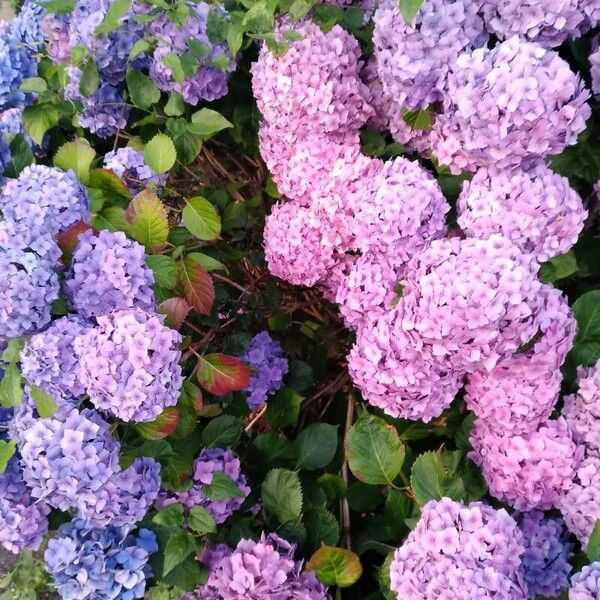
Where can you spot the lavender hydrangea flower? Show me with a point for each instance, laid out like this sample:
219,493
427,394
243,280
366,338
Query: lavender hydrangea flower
534,208
130,364
55,29
260,570
125,498
547,551
585,585
23,522
209,462
513,103
18,237
66,455
471,552
547,22
46,199
108,272
215,63
594,59
580,503
16,64
582,410
269,366
130,166
528,471
414,59
48,360
99,564
27,25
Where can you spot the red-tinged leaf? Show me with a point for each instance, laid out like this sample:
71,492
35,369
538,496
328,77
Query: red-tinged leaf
108,181
176,310
147,220
194,395
69,239
164,425
220,374
196,285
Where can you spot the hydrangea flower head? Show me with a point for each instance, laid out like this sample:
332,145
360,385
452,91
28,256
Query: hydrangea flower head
209,462
414,59
27,25
585,585
16,64
45,199
528,471
547,552
23,521
457,551
261,570
129,164
514,103
265,356
66,455
108,272
48,359
88,563
130,364
534,208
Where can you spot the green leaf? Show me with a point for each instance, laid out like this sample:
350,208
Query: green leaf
374,451
335,566
200,521
587,343
208,122
164,269
188,146
45,404
222,487
175,105
172,61
12,353
196,285
147,220
222,432
187,575
112,21
138,48
398,506
109,182
142,90
201,219
409,9
90,78
322,528
7,450
420,120
282,494
593,548
207,262
220,374
259,18
11,387
160,154
163,426
316,446
59,7
37,119
111,218
559,267
76,156
271,449
284,408
171,516
363,497
178,548
35,85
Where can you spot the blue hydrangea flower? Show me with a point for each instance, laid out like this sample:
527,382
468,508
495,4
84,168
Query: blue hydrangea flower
27,25
16,63
265,356
99,564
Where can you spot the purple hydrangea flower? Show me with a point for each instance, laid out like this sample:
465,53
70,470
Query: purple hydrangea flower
269,366
528,471
18,237
582,410
130,166
513,103
471,552
130,364
414,59
209,462
49,362
594,59
547,552
45,199
16,64
55,29
534,208
125,498
86,563
108,272
66,455
209,82
260,570
585,585
23,522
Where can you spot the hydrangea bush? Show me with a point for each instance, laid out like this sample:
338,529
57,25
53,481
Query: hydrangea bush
300,300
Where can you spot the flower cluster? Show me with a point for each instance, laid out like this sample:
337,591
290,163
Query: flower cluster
257,570
85,562
129,364
130,166
265,356
585,585
209,462
472,548
108,272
